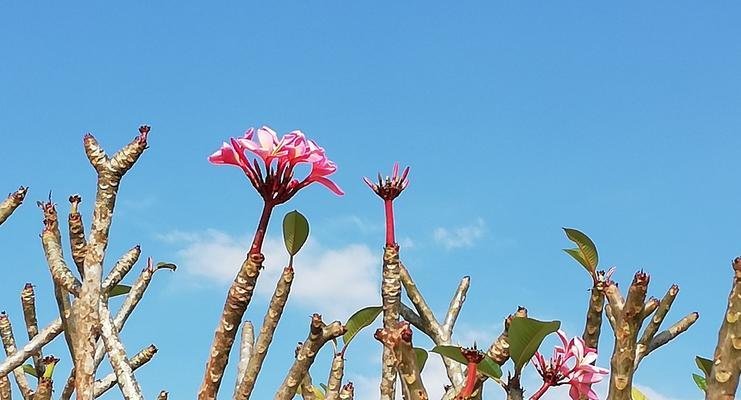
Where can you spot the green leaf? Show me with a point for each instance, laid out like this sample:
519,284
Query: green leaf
705,365
167,265
637,395
421,357
119,290
525,337
360,320
30,369
295,231
587,250
701,382
490,368
487,366
324,387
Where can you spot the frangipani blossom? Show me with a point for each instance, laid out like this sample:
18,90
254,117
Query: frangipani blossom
274,178
570,364
276,183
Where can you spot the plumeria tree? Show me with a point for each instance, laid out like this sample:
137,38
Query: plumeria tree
270,164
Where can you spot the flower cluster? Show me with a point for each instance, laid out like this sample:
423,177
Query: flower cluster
572,364
277,184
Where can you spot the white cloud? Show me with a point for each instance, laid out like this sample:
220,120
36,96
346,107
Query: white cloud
334,282
464,236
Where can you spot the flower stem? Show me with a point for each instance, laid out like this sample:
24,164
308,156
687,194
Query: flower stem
470,380
390,239
262,227
540,391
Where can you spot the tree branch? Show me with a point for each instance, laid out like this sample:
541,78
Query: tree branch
8,339
724,376
12,202
319,334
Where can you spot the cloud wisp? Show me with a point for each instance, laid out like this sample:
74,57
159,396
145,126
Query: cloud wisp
460,237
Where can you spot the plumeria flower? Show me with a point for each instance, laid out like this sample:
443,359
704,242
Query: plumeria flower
571,364
275,181
271,172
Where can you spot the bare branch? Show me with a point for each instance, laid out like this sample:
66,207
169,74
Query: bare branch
121,268
336,373
117,356
86,309
391,299
454,309
319,334
245,352
724,376
399,340
44,337
51,239
28,302
142,357
12,202
269,323
8,339
163,395
5,393
77,239
239,297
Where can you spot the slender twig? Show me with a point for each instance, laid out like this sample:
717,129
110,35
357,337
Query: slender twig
12,202
8,339
269,324
319,334
28,301
239,297
142,357
456,304
724,376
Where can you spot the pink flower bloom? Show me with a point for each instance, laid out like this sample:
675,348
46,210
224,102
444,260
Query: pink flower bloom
570,364
276,183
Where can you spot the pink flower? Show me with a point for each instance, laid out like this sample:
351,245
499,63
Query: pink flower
570,364
275,181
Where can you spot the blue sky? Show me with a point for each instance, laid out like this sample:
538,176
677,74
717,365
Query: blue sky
517,119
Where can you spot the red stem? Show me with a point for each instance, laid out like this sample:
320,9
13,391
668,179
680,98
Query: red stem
389,205
470,380
262,227
540,391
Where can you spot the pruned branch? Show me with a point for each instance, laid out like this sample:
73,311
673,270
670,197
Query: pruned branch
724,376
245,352
626,317
8,339
12,202
269,324
336,373
399,340
28,302
391,300
319,334
51,239
76,228
44,337
440,334
239,297
86,309
142,357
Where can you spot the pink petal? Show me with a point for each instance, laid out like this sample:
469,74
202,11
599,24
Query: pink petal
329,184
225,156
